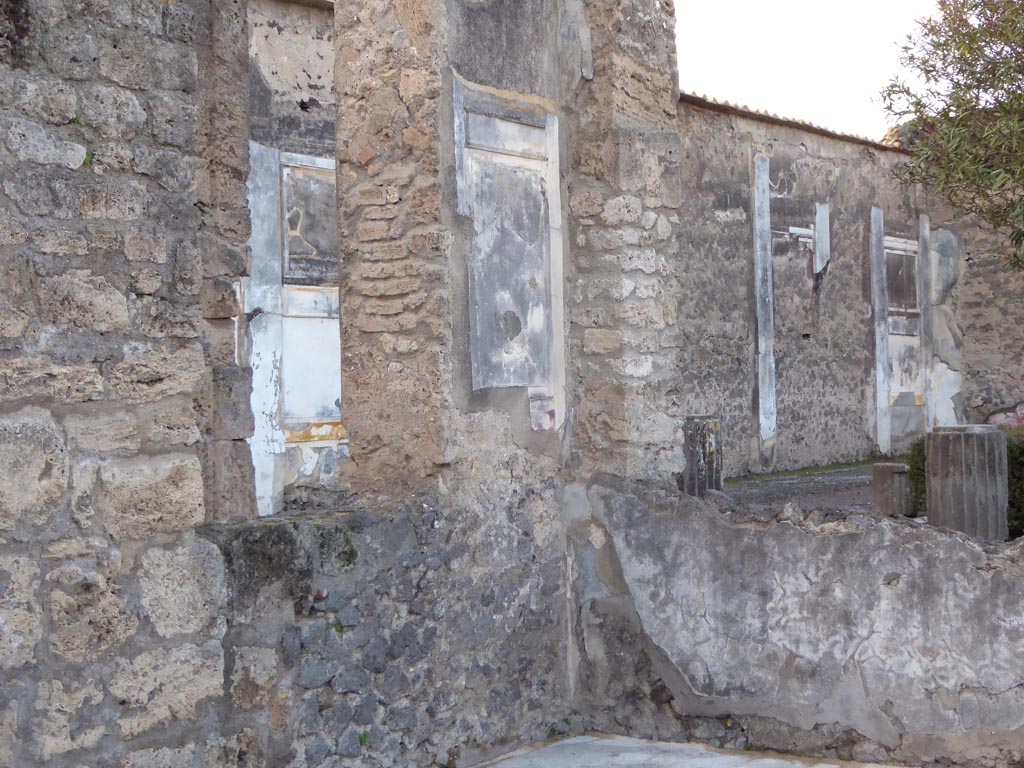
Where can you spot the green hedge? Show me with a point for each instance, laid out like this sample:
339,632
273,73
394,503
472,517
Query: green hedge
1015,460
916,477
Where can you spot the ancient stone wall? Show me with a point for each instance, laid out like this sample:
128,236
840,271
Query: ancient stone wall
673,310
989,317
439,593
123,227
838,638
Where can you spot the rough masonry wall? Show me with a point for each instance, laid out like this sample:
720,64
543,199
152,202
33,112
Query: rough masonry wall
664,325
824,348
624,187
121,219
990,318
439,634
404,636
394,284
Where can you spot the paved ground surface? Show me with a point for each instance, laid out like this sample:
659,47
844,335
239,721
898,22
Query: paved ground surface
842,487
618,752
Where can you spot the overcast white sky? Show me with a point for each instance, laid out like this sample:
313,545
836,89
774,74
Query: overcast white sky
822,61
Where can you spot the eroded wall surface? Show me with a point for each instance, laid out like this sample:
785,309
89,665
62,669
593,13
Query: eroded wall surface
843,638
292,105
822,339
123,407
990,318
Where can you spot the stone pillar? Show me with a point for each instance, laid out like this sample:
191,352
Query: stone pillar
891,485
966,474
702,449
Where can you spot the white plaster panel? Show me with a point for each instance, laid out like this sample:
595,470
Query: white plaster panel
311,370
505,136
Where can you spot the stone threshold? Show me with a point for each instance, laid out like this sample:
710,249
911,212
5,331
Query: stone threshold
602,751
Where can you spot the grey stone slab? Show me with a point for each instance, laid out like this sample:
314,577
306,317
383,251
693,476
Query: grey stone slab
620,752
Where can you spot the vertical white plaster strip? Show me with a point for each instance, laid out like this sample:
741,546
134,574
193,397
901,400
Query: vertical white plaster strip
822,237
880,307
263,304
461,178
765,301
553,181
924,304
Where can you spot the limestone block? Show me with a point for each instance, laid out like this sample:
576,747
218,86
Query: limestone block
13,321
183,588
644,260
220,298
967,483
124,201
8,730
33,465
253,676
47,99
243,748
86,301
30,142
37,377
165,757
172,119
225,412
220,339
102,431
149,494
158,318
169,423
61,242
37,194
70,54
230,479
172,170
147,374
145,244
12,232
188,269
146,281
891,488
170,66
20,616
418,84
622,209
598,341
59,726
88,612
113,112
163,685
84,476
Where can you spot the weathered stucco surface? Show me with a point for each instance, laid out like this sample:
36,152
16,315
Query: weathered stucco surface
852,625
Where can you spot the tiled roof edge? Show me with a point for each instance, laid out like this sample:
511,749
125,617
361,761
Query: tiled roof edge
725,107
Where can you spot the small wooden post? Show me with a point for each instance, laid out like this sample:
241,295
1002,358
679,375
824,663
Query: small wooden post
702,447
966,474
891,485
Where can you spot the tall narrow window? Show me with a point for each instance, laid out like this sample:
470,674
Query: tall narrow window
292,300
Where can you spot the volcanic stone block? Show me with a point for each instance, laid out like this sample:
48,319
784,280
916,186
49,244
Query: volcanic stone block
702,448
891,485
966,473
